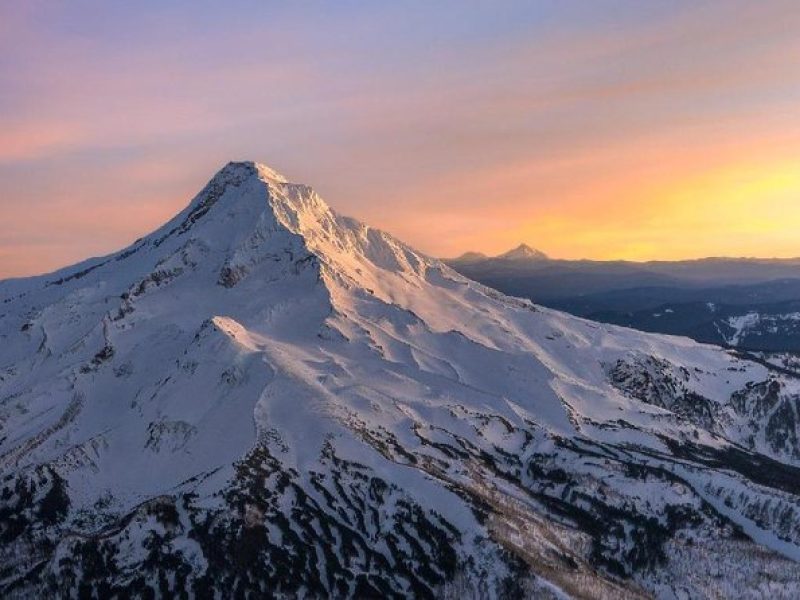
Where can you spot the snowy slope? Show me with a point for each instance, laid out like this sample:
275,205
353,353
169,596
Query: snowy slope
266,397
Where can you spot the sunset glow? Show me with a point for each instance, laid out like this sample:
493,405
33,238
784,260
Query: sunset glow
612,129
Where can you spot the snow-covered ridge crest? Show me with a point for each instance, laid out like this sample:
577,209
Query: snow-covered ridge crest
236,171
347,251
298,208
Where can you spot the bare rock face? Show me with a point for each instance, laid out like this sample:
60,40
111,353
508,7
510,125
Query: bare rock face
266,399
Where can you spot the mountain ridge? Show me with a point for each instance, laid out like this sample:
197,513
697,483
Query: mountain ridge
535,255
709,300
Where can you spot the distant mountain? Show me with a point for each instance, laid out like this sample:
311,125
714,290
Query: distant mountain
704,299
264,398
562,277
523,252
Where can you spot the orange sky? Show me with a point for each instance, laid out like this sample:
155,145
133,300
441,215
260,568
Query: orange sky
612,129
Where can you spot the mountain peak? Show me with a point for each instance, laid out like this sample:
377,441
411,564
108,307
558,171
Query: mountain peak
524,252
251,221
239,170
250,189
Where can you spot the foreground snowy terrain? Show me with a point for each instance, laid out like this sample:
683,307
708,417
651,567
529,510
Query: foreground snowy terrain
266,399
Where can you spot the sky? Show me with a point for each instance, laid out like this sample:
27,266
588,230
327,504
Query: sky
601,129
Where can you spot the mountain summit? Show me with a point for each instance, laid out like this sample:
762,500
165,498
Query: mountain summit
266,398
523,252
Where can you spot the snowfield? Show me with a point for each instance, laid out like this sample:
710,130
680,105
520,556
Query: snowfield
264,398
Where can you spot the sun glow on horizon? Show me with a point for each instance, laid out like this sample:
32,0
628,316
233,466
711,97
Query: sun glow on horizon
738,210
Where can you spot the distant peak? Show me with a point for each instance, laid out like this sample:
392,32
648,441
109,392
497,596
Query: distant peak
524,252
239,170
471,257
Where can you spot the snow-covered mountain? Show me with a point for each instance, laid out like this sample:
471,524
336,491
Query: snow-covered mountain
266,399
523,252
